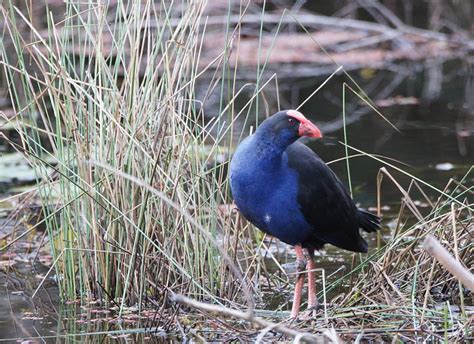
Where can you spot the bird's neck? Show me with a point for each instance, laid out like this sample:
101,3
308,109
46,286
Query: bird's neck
269,151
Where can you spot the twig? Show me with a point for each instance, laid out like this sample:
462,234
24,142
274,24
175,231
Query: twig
365,42
265,324
436,250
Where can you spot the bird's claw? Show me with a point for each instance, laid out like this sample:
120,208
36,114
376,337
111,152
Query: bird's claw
316,308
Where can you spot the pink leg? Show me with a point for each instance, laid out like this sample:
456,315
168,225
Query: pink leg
312,300
299,282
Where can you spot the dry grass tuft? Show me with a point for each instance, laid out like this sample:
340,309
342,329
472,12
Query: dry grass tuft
401,291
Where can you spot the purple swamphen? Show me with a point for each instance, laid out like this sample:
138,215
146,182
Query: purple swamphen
285,189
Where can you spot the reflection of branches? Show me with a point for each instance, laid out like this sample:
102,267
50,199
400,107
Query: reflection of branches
386,17
434,79
355,115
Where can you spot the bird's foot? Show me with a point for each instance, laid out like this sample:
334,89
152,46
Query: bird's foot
300,318
305,316
316,308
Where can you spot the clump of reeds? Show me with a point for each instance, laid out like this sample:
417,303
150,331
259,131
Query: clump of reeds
131,182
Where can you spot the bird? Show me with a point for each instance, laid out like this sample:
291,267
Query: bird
287,191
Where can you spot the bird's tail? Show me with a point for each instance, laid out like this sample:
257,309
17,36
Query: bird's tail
368,221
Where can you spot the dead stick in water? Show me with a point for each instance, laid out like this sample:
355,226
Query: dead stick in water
436,250
304,336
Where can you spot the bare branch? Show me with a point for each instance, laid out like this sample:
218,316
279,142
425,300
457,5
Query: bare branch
436,250
265,324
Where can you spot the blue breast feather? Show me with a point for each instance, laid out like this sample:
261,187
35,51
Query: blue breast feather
265,191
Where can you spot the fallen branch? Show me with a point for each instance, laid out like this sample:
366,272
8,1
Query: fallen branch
265,324
312,20
436,250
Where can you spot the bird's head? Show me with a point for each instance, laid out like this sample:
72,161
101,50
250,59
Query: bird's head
286,126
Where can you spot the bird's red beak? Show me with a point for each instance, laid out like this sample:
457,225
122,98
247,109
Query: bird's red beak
306,128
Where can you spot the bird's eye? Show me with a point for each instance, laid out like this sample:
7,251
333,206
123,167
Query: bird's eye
291,120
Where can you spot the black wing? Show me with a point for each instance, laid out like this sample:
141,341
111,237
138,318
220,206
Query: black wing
326,204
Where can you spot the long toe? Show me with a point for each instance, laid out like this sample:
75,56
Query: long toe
316,308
